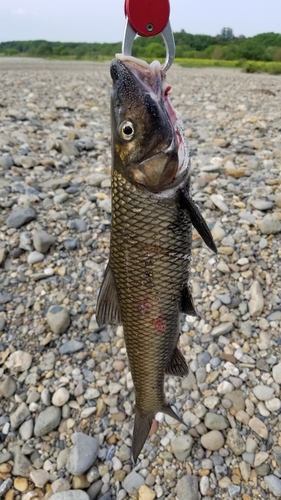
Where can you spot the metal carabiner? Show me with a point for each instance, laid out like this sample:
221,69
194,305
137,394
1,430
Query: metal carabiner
148,21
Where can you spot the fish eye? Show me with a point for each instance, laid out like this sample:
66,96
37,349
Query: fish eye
127,130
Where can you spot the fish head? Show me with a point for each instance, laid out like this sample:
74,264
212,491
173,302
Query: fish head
147,136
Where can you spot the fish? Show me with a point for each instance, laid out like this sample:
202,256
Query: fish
146,284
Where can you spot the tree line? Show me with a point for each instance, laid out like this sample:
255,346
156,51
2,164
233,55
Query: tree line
225,46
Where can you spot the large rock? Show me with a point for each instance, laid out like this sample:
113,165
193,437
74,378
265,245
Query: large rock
42,241
83,454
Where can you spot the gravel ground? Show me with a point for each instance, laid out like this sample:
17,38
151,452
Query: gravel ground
67,401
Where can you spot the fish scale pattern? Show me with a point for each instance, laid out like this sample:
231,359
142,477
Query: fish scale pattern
149,257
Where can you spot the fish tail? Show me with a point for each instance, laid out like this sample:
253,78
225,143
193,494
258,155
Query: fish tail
141,430
143,425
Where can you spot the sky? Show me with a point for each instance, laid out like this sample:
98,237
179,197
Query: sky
103,20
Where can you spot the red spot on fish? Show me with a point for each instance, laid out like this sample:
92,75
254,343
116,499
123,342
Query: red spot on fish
159,324
168,90
144,306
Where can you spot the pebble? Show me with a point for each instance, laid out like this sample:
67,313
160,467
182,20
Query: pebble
274,484
146,493
235,441
83,453
71,346
39,477
42,241
21,217
58,319
256,302
19,361
35,257
269,225
47,420
263,392
259,427
212,440
133,482
187,487
181,446
70,495
213,421
60,396
276,372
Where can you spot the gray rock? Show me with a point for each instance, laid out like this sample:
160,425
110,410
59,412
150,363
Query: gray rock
256,302
8,386
187,488
276,372
263,392
94,489
96,179
224,298
5,486
181,446
222,329
261,204
48,361
274,484
26,430
105,205
263,469
213,421
28,161
234,490
58,319
71,346
188,382
132,482
68,148
42,241
6,162
19,415
21,465
47,421
70,495
2,323
35,257
212,440
274,316
124,453
235,441
25,241
83,454
5,297
39,477
70,244
204,358
79,225
21,217
269,225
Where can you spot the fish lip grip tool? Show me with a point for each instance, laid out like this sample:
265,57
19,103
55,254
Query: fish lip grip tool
149,18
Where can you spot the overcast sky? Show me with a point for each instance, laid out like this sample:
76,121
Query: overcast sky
103,20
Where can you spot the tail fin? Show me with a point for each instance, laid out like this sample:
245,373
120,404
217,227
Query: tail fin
141,430
142,427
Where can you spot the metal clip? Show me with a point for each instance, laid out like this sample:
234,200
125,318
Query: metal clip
167,35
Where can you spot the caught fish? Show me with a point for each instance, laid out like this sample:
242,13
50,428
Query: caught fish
146,281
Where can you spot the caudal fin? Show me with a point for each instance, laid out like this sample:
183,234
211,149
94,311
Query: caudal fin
141,430
142,427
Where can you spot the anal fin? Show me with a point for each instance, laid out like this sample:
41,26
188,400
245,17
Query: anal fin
177,364
108,307
198,220
187,303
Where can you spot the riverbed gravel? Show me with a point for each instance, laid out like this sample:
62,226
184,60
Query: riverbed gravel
67,400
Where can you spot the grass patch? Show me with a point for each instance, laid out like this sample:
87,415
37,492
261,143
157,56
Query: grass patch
273,68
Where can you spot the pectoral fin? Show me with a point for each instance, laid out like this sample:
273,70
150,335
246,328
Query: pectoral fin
108,307
177,365
198,220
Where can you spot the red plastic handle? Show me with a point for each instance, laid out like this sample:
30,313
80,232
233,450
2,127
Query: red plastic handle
147,17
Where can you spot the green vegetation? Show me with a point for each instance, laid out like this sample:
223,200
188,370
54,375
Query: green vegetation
259,53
